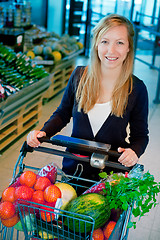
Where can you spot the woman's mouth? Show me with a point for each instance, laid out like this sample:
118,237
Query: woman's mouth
111,58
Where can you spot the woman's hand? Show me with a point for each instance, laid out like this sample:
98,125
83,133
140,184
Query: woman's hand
128,157
32,140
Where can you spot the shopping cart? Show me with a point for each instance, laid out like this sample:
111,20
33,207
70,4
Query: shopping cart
59,228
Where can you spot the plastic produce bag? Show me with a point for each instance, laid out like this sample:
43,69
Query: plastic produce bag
49,171
136,172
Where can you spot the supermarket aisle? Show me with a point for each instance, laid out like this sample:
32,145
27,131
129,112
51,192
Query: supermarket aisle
148,228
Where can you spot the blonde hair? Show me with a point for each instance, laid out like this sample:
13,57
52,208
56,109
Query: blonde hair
89,85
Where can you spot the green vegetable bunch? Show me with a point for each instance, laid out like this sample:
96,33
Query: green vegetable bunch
124,192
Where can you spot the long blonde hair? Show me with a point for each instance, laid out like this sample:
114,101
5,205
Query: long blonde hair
89,85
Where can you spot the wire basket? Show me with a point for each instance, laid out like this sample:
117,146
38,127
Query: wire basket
47,222
61,225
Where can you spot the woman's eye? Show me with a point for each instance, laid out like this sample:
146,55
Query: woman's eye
120,43
104,41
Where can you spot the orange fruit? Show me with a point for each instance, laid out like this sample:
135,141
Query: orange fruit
23,192
28,178
57,56
38,197
98,234
52,193
7,210
108,229
47,216
9,194
80,45
10,222
42,183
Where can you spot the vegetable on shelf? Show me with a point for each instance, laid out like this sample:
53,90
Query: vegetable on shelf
17,71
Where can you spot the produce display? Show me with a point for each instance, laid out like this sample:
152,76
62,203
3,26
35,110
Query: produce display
54,48
17,71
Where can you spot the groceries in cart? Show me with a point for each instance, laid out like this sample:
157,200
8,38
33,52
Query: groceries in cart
37,199
44,204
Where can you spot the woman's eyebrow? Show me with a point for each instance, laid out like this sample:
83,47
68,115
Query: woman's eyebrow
117,39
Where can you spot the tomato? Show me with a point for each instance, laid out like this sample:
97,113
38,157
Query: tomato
48,216
28,178
42,183
9,194
38,197
98,234
10,222
109,228
7,210
24,192
52,193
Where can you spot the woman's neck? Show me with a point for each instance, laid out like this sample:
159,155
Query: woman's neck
110,75
108,81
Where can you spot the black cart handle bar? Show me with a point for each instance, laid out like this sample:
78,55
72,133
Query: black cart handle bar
98,159
81,144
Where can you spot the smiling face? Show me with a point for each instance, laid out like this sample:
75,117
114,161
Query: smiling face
113,47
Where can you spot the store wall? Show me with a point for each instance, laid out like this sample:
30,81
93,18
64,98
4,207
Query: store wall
53,20
55,16
39,12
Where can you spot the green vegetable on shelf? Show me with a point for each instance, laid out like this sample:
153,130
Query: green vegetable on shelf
18,68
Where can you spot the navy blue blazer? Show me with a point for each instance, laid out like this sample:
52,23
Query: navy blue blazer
113,130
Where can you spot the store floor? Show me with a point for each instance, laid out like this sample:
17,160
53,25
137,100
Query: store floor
148,228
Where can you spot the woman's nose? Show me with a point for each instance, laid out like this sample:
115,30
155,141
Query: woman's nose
111,48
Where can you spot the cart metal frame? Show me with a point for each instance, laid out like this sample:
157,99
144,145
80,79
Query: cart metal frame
60,231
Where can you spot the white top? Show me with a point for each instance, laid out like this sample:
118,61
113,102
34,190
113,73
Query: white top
98,115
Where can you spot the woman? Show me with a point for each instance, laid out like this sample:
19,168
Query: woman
104,98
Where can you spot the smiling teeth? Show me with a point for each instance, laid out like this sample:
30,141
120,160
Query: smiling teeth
111,58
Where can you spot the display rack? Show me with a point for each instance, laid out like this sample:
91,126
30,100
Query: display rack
21,111
60,74
59,79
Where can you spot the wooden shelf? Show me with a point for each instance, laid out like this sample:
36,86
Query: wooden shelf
59,78
19,121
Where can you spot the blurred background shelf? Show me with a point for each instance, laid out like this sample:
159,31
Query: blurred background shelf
20,111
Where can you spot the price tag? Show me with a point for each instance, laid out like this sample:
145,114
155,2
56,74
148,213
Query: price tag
44,62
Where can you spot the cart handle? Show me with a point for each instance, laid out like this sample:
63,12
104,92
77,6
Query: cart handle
100,151
95,160
81,144
98,158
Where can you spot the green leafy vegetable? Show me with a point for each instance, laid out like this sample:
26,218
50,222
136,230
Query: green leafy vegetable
123,192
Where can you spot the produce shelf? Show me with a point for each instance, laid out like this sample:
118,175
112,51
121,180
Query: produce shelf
59,76
21,111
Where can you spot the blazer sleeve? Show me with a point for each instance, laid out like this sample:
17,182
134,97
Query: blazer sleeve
139,120
61,117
